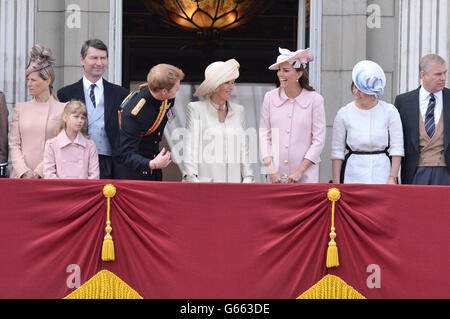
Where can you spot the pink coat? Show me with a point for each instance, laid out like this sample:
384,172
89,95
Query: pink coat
292,130
66,159
32,124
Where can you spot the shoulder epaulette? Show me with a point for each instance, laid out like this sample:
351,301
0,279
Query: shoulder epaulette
131,95
128,99
138,107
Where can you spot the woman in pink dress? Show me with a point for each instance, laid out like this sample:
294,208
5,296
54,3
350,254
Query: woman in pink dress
35,121
292,125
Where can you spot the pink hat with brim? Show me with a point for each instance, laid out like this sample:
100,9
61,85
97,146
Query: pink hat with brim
297,58
216,74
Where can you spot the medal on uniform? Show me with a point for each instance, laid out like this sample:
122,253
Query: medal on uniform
170,114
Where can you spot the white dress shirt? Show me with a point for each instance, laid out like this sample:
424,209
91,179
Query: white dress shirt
98,91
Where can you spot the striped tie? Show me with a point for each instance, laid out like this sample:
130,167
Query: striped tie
91,94
429,118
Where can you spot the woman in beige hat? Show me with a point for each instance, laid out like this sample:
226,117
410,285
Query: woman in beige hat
35,121
292,125
215,145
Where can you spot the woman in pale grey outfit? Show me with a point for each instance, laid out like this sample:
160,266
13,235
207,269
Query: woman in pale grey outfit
216,147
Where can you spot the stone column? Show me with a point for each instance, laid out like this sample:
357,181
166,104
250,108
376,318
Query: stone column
16,40
344,43
423,28
65,25
115,41
354,30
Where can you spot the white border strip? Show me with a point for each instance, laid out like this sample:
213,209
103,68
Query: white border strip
115,42
315,39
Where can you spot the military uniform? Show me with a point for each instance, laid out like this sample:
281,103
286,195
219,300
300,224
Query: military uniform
141,125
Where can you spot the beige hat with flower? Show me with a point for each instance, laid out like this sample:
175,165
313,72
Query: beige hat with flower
216,74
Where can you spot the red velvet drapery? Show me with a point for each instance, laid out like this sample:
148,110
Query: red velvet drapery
183,240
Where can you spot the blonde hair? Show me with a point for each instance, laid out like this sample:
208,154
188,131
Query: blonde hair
73,107
49,73
163,76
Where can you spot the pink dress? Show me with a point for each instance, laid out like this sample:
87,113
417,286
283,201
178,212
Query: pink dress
292,130
32,124
74,160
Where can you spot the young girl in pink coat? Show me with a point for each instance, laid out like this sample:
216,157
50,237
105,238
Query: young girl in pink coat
71,154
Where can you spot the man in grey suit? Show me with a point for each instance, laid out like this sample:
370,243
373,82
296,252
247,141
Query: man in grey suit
102,100
425,114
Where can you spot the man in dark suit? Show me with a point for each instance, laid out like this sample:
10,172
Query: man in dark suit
425,114
102,100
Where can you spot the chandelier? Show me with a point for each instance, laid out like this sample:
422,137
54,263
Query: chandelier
207,17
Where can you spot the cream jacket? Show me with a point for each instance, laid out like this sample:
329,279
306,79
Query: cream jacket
32,124
214,151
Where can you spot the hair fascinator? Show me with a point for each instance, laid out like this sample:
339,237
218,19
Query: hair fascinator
297,58
369,78
40,58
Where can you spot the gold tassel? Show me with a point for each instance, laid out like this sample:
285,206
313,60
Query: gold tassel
108,245
104,285
331,287
332,252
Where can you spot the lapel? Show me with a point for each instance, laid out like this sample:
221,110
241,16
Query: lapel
446,115
413,112
78,93
107,92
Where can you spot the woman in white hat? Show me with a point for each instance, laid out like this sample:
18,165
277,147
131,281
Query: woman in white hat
215,146
292,125
369,129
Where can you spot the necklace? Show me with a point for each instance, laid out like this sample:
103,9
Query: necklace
218,107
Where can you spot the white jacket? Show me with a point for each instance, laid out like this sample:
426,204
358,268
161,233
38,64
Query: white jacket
214,151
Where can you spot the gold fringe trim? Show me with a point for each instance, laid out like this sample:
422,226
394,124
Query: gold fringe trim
332,252
331,287
104,285
108,245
